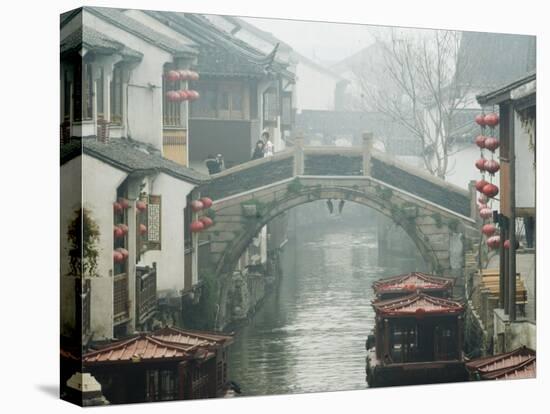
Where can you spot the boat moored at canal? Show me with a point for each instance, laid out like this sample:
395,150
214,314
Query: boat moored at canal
417,340
396,286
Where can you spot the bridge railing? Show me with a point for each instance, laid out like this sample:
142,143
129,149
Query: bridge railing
301,160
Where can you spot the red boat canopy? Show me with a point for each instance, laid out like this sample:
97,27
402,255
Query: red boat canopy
417,305
412,282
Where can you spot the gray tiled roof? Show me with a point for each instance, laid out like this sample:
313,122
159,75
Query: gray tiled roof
94,40
118,18
130,156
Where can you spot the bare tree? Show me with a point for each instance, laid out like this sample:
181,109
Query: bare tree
417,82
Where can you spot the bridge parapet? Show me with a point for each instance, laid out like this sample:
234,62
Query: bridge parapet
338,161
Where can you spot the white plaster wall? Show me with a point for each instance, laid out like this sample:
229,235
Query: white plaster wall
144,104
70,185
99,184
171,258
314,89
525,168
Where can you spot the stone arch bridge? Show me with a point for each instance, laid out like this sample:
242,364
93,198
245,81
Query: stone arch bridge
439,217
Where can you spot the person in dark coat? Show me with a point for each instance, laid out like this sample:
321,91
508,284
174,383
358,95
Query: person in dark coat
258,150
212,164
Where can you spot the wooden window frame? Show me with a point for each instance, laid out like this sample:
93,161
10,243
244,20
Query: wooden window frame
116,96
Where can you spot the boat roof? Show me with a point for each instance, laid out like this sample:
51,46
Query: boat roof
418,305
411,282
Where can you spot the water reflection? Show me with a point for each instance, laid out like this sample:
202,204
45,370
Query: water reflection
309,335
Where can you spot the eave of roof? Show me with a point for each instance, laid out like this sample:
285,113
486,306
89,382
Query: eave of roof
97,42
402,282
408,306
503,93
212,40
117,18
129,156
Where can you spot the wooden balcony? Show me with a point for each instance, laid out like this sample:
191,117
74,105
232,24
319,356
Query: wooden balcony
146,292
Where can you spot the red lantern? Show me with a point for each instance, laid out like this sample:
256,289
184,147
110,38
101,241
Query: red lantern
507,244
118,232
184,74
482,199
124,253
117,256
172,75
193,95
488,229
480,164
493,242
481,206
485,213
480,184
117,207
194,76
124,228
490,190
206,202
207,221
142,229
480,120
492,166
172,96
197,226
141,205
491,119
196,205
492,144
124,203
183,95
480,141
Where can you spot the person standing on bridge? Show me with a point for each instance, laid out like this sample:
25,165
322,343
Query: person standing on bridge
212,164
258,150
268,145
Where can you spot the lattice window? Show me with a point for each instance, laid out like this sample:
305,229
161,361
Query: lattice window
154,223
271,106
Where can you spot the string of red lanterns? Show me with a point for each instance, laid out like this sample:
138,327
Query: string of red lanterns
488,190
204,222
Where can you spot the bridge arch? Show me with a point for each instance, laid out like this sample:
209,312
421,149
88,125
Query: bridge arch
240,218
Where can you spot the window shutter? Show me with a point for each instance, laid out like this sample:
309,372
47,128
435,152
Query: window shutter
154,223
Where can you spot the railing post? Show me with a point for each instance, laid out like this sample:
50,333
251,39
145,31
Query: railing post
367,151
299,154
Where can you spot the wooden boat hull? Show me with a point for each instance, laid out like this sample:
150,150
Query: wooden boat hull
432,372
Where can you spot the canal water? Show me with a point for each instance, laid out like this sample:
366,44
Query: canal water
309,335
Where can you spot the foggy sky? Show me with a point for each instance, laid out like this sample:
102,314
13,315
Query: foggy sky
323,42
